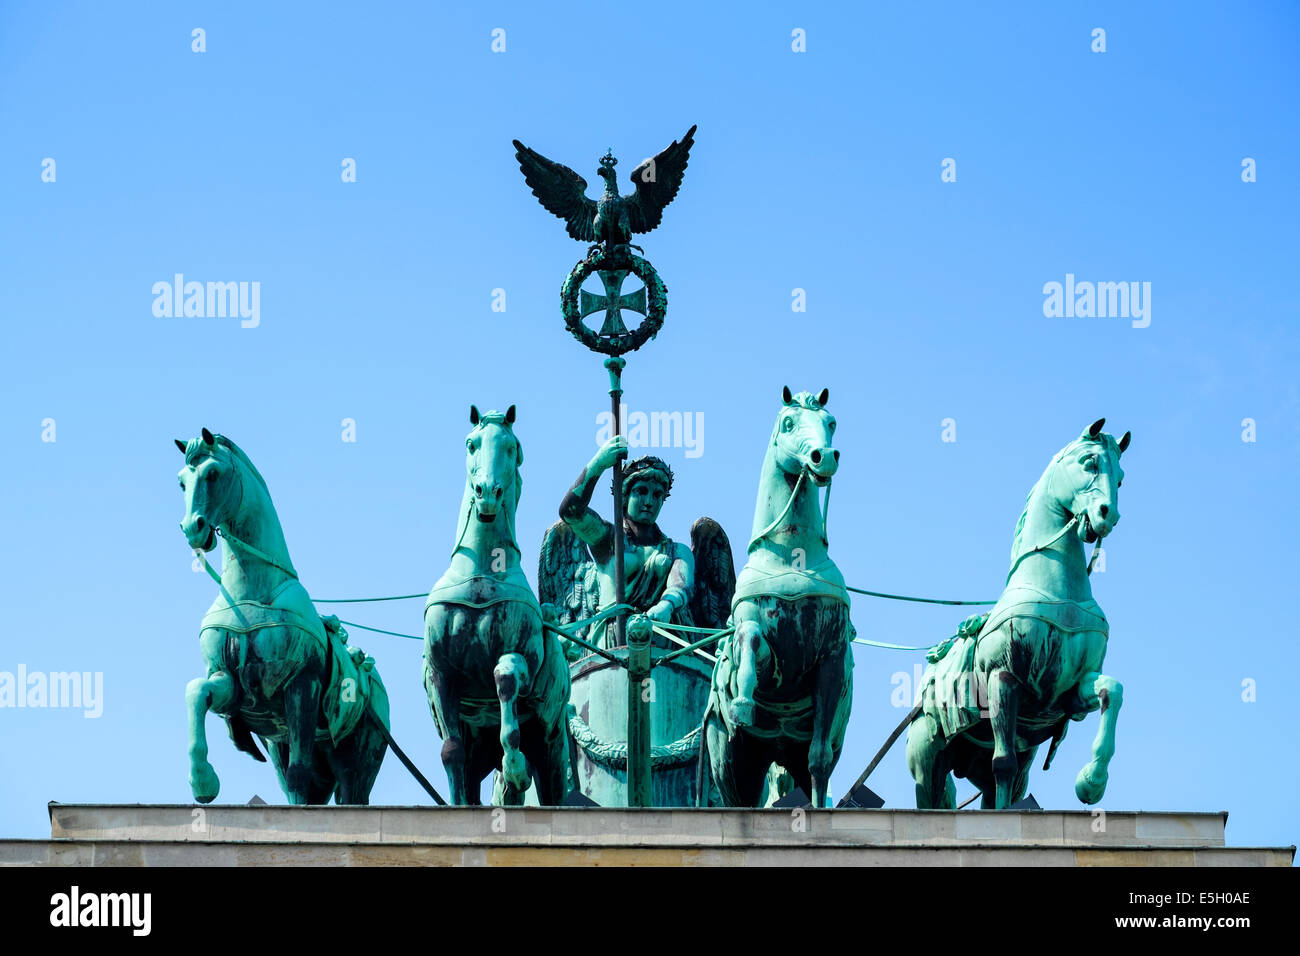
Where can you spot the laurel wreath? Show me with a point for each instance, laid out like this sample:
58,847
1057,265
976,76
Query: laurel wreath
633,339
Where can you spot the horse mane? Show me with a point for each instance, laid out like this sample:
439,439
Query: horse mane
196,446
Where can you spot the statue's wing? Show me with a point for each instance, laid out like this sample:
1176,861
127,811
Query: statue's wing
715,574
561,191
565,575
657,181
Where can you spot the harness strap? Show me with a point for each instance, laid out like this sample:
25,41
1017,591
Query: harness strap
1043,547
794,493
255,552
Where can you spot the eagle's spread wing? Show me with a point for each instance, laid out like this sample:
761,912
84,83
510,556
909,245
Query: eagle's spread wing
561,191
657,181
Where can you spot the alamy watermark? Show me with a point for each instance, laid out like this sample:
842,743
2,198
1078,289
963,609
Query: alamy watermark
1102,300
128,910
655,430
59,689
212,300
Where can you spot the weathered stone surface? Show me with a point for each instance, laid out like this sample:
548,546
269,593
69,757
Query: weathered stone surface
180,835
621,826
118,853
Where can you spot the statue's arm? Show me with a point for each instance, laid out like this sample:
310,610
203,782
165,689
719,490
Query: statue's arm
677,589
576,508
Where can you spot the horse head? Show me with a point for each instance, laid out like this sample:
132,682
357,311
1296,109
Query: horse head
492,459
1086,478
803,434
212,486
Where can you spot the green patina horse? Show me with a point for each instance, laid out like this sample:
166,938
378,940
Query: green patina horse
498,685
1013,678
275,668
782,686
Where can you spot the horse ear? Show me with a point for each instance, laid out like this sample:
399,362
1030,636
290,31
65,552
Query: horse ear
824,397
510,415
1123,442
207,437
1095,428
473,415
785,394
179,444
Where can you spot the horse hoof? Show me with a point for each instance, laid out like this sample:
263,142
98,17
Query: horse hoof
204,783
514,768
742,712
1090,785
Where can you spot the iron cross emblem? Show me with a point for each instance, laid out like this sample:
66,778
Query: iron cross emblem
612,302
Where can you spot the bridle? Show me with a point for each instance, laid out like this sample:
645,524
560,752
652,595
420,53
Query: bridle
222,530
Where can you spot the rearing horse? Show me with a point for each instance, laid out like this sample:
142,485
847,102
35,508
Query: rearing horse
275,667
1013,678
497,683
783,683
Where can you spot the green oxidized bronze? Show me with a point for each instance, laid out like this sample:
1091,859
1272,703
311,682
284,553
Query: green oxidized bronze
608,223
497,683
576,571
666,583
1013,678
783,683
275,667
614,338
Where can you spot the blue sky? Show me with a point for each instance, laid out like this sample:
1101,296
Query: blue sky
817,171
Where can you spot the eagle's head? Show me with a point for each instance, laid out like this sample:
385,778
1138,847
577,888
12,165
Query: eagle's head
606,171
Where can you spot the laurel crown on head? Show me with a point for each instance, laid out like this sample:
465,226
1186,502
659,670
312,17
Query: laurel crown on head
648,468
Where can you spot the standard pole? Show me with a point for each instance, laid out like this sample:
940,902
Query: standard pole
615,366
639,789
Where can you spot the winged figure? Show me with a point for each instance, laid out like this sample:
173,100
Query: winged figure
611,219
665,580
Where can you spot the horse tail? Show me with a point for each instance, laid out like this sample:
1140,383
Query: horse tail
243,737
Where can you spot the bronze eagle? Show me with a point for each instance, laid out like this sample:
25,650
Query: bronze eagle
612,218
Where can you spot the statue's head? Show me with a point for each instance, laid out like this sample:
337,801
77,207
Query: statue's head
606,171
492,459
647,483
212,487
804,434
1085,479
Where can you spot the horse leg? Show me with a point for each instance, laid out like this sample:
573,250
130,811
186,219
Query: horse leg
751,652
1003,702
301,705
822,750
1099,691
930,765
444,703
355,762
511,675
553,767
1021,785
750,758
721,765
202,695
